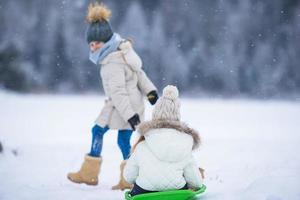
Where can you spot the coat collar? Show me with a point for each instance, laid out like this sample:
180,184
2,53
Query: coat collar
123,48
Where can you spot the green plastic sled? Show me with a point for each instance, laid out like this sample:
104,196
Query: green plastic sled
167,195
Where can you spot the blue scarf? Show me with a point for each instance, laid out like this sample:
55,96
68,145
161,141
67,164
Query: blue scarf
110,46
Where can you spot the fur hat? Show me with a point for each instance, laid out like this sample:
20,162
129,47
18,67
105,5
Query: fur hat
99,28
168,106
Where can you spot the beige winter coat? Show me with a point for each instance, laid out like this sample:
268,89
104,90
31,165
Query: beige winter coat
125,85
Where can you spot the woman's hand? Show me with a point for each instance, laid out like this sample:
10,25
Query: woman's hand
152,97
134,121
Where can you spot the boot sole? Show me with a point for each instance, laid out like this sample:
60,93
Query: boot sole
80,182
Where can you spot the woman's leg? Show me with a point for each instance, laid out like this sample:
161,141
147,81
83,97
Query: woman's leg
124,142
91,165
97,140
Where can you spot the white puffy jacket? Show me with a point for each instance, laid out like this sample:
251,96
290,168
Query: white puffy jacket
164,161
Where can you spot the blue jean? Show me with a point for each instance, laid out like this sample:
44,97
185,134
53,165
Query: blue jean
97,141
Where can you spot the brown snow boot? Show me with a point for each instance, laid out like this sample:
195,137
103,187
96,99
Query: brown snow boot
88,172
123,184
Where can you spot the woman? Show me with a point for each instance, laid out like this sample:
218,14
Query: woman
162,159
125,85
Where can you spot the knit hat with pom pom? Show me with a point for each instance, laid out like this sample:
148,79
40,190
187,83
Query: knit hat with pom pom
99,29
168,106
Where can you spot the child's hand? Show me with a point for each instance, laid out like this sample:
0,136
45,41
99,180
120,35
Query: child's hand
202,172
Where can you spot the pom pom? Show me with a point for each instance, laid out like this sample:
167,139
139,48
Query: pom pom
170,92
97,13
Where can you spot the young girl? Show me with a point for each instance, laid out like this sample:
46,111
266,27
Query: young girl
125,85
162,159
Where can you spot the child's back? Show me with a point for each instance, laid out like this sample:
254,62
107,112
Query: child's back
164,161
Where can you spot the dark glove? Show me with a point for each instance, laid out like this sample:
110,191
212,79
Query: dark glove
134,121
152,97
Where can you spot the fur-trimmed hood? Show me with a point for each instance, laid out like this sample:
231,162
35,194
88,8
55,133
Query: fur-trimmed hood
125,54
169,140
146,126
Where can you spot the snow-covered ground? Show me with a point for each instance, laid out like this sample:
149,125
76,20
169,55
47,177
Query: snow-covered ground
250,148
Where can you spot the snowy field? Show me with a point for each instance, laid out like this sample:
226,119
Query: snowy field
250,148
